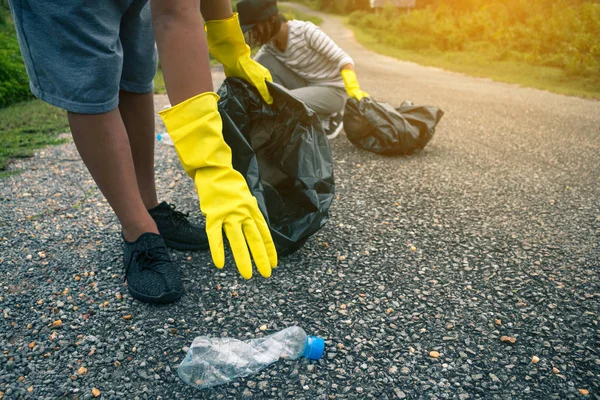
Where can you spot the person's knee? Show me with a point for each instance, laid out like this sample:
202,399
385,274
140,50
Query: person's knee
327,102
91,117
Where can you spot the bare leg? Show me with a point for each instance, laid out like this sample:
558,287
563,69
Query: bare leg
179,33
104,147
137,112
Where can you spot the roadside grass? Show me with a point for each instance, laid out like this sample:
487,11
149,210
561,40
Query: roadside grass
480,61
292,13
487,65
28,126
159,82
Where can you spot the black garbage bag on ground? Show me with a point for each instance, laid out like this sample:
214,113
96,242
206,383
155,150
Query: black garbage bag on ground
283,152
381,128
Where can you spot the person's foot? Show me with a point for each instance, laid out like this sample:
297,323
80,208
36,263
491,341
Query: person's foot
334,125
176,230
151,275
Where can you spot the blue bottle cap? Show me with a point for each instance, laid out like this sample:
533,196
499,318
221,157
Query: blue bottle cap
314,348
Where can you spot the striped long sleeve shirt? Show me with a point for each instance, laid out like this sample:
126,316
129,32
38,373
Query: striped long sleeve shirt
311,54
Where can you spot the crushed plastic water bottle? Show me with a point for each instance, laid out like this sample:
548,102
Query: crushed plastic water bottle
164,138
215,361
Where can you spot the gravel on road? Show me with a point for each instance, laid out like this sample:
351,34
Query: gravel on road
467,271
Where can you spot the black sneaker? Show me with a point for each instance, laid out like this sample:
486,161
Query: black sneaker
335,126
151,275
176,230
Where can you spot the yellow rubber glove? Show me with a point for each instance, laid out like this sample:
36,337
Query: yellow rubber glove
227,45
351,84
195,127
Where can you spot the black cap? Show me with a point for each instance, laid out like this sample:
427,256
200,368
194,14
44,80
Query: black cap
252,12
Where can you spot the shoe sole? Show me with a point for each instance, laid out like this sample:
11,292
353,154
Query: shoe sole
164,298
185,246
335,133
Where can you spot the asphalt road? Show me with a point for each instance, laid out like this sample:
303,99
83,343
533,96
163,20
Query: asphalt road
493,230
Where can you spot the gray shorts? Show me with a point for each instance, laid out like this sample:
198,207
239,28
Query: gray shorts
80,53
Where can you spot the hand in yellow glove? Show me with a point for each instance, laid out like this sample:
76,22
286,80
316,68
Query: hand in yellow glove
227,45
351,84
196,129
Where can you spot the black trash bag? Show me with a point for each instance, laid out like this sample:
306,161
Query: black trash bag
283,152
381,128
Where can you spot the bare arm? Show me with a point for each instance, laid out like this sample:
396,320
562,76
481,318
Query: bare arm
182,48
218,9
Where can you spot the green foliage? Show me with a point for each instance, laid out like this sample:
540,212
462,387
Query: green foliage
488,65
14,84
27,125
565,35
